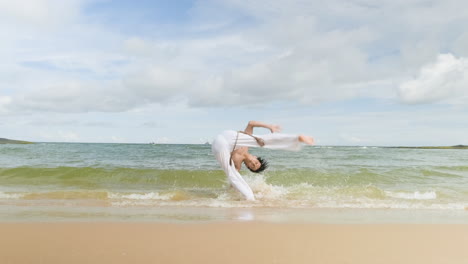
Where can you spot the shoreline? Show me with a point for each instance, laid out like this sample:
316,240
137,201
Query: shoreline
231,242
197,215
200,215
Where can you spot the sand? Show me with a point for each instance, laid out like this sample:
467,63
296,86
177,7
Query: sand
231,242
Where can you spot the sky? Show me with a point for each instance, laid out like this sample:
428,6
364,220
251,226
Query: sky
347,72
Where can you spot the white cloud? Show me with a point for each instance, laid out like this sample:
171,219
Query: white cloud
75,96
118,139
445,80
58,136
38,13
159,84
460,45
255,67
162,140
5,101
296,51
350,139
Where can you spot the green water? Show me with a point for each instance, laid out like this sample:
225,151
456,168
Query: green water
188,176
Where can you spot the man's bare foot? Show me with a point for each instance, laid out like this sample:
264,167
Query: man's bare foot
306,139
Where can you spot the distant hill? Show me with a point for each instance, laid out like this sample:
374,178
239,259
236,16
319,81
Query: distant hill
10,141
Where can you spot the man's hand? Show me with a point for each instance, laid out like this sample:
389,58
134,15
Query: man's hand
275,128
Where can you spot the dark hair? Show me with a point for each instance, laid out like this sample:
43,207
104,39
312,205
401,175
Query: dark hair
263,165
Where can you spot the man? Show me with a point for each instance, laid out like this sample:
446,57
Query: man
231,149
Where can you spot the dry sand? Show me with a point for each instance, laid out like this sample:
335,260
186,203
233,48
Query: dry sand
249,242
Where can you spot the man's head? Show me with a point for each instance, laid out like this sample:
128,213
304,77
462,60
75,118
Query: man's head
256,164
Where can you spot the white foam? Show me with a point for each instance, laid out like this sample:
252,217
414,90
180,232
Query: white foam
140,196
229,199
391,205
431,195
297,196
265,191
10,195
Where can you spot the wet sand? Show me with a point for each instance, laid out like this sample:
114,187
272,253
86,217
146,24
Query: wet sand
231,242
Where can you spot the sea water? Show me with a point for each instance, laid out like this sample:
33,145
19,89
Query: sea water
76,181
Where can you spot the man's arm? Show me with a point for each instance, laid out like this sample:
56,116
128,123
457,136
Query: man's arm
252,124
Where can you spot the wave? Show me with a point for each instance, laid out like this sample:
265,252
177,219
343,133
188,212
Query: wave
338,187
303,195
95,178
128,177
430,195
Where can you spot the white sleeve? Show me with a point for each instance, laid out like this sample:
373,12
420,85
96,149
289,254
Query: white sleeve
233,175
272,141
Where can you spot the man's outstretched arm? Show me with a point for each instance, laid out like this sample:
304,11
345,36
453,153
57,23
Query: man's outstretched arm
252,124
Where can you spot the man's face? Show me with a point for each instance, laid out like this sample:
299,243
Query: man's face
253,163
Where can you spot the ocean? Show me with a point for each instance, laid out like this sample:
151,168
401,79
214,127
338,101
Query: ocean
170,182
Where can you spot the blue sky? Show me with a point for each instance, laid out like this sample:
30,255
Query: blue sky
346,72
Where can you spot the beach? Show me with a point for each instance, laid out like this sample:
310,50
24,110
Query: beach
231,242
